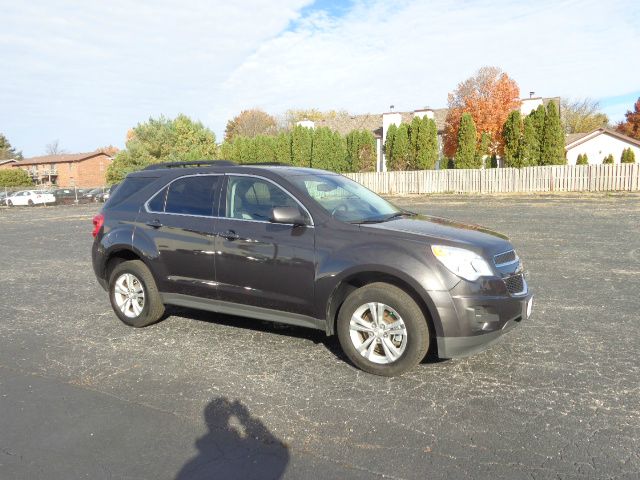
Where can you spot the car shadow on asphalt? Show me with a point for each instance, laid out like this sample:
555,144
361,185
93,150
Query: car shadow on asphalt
316,336
237,446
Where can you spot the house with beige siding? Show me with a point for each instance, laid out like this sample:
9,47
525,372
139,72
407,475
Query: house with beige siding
68,170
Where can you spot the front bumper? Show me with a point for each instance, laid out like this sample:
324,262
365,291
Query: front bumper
472,324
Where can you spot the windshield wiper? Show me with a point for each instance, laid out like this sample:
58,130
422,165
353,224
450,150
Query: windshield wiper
385,219
404,213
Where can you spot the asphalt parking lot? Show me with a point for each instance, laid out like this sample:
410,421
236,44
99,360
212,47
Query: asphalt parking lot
210,396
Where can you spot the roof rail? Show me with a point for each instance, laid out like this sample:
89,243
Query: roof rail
267,164
193,163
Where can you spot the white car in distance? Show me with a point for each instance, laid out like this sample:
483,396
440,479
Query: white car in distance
30,198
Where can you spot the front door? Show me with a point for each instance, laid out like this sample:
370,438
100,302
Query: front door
180,221
260,263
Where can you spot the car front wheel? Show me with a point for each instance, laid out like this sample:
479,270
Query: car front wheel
134,295
383,330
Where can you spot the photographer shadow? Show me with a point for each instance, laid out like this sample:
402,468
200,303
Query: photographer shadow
237,446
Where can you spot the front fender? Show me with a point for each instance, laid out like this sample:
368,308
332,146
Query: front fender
406,261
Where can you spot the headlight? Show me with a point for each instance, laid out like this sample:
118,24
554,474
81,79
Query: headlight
464,263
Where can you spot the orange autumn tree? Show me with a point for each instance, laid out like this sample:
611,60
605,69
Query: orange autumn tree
631,125
489,96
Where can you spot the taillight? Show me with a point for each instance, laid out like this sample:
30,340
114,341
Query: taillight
98,222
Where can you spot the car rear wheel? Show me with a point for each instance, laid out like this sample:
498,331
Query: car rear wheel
383,330
30,202
134,295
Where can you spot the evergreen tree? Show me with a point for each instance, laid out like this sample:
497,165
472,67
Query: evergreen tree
264,149
322,152
466,152
361,151
283,148
530,145
388,144
628,156
301,146
552,151
608,159
512,134
414,136
226,151
582,160
7,151
537,117
483,149
162,140
401,152
426,144
338,159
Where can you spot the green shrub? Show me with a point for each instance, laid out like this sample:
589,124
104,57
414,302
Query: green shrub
582,159
628,156
608,159
15,177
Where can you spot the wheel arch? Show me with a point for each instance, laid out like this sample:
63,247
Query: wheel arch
359,279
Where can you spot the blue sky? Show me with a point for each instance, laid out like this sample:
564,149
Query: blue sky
84,72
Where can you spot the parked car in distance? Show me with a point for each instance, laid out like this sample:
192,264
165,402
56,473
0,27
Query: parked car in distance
105,194
64,193
92,194
4,195
30,198
309,248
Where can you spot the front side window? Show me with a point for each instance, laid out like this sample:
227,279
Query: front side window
251,198
195,195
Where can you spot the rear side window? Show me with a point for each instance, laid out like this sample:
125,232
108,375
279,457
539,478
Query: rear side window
128,187
197,195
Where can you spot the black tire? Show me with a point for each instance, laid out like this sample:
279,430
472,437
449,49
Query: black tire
9,203
31,204
417,330
153,308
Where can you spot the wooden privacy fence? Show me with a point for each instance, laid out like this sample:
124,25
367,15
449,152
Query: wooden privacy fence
557,178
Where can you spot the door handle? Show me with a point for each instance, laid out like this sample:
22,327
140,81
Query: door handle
230,235
155,223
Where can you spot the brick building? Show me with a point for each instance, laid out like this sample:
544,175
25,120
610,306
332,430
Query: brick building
8,163
66,170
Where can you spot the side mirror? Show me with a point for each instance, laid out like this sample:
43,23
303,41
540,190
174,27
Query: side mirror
289,215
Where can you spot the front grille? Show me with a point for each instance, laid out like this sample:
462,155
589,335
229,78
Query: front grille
504,258
515,285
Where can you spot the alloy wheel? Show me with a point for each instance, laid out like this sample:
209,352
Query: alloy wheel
378,333
129,295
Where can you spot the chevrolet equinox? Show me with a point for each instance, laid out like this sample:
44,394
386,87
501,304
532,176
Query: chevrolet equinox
309,248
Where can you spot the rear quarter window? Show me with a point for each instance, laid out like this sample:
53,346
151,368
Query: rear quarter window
128,187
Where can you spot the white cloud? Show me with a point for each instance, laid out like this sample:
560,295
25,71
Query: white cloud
414,53
85,72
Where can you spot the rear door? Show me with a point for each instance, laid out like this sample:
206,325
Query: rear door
180,220
260,263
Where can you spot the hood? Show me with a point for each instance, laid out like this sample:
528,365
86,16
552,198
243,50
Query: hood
448,231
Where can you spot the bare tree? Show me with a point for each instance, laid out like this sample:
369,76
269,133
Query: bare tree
54,148
582,115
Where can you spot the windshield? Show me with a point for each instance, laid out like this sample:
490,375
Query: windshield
345,199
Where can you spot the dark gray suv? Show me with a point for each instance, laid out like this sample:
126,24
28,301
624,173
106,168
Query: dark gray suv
308,248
